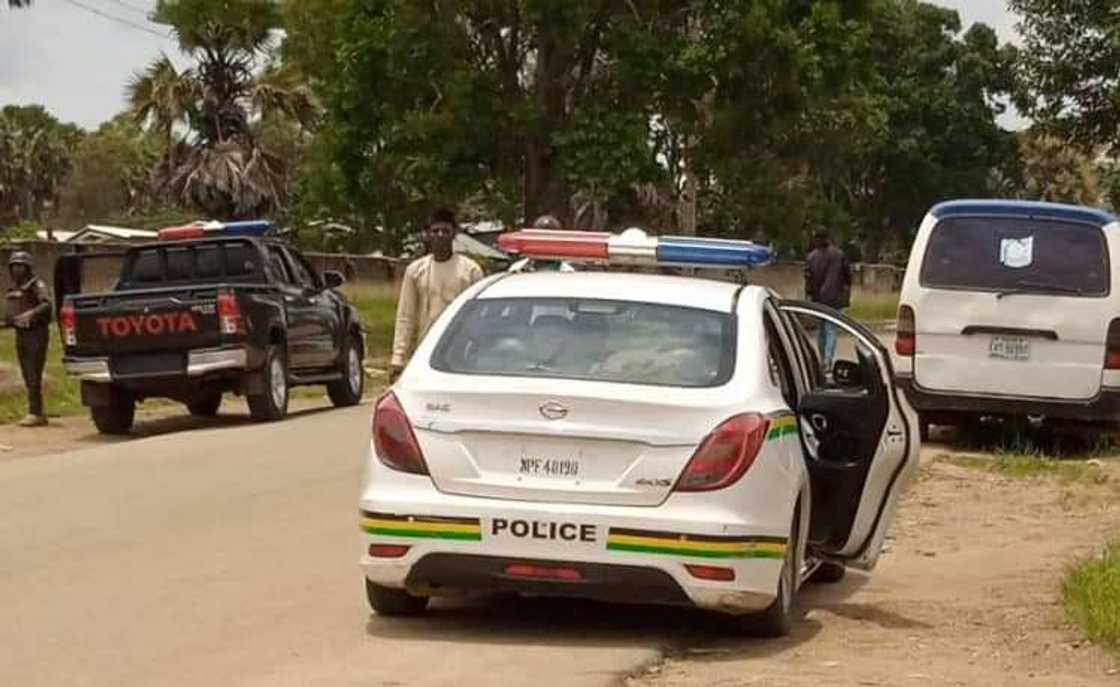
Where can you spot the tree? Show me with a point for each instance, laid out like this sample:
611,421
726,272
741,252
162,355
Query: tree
35,156
221,167
1067,68
1054,171
111,173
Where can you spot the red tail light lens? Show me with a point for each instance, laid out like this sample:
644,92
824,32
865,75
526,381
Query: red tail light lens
906,338
68,323
711,572
388,550
229,314
1112,346
543,572
393,439
726,454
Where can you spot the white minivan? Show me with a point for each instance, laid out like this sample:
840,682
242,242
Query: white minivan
1011,309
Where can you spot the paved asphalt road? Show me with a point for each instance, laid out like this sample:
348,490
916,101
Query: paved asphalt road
228,555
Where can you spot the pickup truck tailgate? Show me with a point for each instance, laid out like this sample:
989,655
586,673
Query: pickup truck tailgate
148,322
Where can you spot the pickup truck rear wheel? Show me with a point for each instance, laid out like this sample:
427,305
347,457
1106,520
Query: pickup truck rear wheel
348,390
117,416
272,404
205,404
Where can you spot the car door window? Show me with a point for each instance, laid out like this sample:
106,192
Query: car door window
304,271
278,266
781,367
300,272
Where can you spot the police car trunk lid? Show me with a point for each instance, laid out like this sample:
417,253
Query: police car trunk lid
602,444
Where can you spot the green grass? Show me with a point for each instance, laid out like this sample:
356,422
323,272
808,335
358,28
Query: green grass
1032,464
1091,593
377,307
874,308
62,395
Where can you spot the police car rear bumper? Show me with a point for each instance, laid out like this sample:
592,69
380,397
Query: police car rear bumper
199,362
451,548
1104,407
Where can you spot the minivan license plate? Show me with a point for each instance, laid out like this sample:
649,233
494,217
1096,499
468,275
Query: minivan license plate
1010,348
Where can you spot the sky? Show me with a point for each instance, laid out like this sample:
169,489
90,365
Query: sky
74,56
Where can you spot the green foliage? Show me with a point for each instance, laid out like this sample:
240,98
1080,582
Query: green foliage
24,231
1068,79
36,153
111,174
1091,593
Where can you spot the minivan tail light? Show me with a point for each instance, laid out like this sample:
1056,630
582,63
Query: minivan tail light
229,314
726,454
394,442
1112,346
906,337
68,323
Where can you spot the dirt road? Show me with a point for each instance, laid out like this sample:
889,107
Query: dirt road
227,555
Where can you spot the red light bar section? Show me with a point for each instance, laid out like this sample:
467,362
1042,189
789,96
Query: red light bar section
190,231
535,243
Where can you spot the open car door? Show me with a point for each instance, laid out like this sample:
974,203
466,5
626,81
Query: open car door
858,432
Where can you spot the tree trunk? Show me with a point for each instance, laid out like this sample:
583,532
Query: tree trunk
545,191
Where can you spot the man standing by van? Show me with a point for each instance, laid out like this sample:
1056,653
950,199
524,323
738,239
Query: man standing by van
430,284
828,281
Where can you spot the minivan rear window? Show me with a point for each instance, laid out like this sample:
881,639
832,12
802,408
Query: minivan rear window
598,340
1009,255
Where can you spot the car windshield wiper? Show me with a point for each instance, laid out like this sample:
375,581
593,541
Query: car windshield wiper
1026,287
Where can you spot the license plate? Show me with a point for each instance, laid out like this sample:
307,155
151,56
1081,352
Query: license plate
1010,348
535,466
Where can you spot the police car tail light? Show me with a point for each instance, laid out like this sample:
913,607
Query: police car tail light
711,572
1112,346
906,337
544,572
229,314
68,322
726,454
388,550
393,439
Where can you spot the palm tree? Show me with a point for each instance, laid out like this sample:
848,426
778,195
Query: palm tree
161,97
221,167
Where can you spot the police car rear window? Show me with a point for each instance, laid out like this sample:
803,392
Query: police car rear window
1009,255
599,340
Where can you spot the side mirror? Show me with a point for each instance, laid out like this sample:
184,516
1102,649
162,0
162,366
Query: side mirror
847,374
333,279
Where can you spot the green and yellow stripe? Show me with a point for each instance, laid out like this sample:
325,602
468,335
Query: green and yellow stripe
422,526
782,425
704,546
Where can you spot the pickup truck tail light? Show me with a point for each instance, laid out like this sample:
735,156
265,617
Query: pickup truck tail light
393,439
68,323
906,334
1112,346
726,454
229,314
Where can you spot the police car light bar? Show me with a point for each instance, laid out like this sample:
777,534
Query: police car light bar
634,247
199,230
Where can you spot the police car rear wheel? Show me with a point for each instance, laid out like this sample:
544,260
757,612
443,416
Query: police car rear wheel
777,620
394,602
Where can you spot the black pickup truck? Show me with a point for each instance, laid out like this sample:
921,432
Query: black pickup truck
192,320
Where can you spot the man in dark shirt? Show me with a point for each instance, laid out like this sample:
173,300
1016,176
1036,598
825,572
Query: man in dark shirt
828,281
29,312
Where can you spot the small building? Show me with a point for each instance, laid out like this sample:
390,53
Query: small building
94,233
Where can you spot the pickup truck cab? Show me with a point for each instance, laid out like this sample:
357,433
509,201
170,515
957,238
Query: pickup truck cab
193,320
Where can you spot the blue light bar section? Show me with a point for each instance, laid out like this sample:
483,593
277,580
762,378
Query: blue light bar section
711,252
247,228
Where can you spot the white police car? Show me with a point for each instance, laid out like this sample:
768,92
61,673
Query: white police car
631,437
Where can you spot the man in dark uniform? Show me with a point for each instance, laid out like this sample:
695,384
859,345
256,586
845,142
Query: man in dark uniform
828,281
29,312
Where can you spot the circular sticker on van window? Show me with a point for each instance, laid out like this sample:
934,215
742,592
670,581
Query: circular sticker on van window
1017,253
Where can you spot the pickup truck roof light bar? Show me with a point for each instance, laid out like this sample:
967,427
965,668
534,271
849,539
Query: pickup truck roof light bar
201,230
634,247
